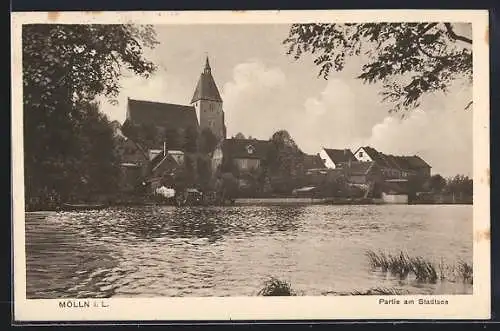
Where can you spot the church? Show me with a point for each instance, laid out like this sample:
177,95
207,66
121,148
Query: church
204,111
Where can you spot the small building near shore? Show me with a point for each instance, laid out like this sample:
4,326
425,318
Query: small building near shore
395,191
243,154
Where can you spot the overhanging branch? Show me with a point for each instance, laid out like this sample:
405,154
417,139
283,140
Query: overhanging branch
455,36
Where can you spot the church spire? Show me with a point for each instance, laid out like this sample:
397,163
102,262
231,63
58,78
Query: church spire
206,89
207,66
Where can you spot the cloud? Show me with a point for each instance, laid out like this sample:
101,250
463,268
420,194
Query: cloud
440,132
252,99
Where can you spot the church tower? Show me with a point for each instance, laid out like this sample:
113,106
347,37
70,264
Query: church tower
208,104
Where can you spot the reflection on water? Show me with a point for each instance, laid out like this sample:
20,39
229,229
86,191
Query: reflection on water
229,251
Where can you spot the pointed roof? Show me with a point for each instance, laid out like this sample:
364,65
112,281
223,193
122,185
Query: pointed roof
340,155
206,89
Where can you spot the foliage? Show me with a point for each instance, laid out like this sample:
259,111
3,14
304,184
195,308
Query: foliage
459,185
435,184
75,160
284,162
227,186
402,265
207,141
239,135
190,143
276,287
67,142
380,291
409,59
80,60
204,172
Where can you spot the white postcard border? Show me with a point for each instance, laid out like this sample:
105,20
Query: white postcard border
476,306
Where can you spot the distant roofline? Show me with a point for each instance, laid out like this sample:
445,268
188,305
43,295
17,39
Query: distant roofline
161,103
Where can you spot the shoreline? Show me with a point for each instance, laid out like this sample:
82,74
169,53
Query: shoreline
271,202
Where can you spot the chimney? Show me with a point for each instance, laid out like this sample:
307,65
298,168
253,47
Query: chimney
164,148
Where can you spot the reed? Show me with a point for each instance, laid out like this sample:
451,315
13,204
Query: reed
402,265
380,291
276,287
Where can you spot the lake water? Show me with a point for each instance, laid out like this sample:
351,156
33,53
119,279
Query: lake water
231,251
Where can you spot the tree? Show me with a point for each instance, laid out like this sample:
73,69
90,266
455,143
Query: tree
284,161
65,67
204,172
459,185
191,140
239,135
410,59
435,184
227,186
207,141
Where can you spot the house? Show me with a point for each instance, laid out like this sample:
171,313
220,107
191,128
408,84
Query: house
336,158
394,167
243,154
395,191
205,111
162,169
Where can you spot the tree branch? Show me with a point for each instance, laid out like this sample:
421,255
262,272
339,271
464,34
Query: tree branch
455,36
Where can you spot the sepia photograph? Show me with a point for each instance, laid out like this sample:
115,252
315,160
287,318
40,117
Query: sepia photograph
251,157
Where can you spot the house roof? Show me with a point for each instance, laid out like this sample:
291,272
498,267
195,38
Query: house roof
160,159
167,115
246,148
313,162
414,162
340,155
206,89
398,162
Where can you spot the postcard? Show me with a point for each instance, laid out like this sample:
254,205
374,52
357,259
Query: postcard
251,165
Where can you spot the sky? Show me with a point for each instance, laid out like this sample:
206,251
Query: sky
265,90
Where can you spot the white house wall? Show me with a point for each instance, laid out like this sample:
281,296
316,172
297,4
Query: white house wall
326,159
362,156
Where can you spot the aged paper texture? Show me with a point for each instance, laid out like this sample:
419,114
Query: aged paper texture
250,165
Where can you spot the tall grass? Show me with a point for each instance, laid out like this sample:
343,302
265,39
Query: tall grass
276,287
380,291
402,265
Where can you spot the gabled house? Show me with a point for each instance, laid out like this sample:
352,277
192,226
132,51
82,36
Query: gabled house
163,167
336,158
393,167
244,154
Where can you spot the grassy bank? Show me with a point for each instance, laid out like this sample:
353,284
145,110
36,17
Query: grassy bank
399,265
403,266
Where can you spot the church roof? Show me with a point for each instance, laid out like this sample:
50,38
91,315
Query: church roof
168,115
206,89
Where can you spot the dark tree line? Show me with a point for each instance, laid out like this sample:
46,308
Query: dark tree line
68,143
